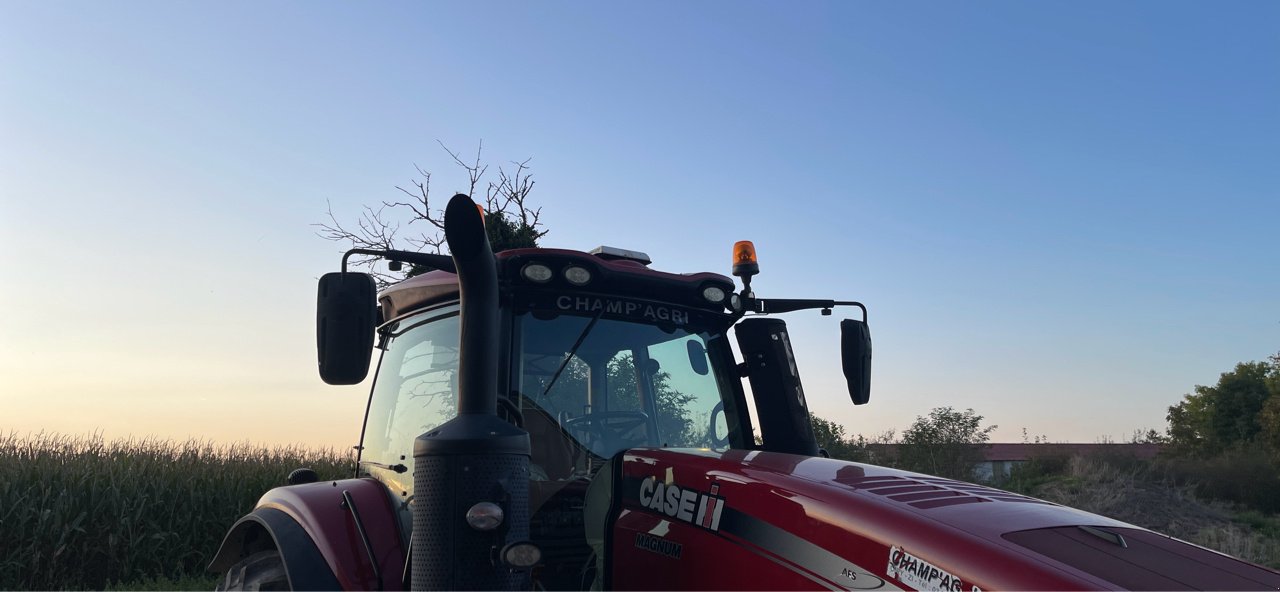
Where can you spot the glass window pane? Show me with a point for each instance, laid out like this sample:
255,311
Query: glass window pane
610,385
414,393
686,392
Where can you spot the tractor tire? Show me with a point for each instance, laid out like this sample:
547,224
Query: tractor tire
263,570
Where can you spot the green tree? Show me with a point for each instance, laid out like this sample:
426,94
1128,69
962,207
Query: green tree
1269,417
1231,413
1189,423
831,437
946,443
673,420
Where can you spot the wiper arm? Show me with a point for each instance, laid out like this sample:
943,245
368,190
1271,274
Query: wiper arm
399,468
573,350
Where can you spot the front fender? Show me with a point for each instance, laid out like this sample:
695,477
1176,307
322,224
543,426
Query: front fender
265,528
313,529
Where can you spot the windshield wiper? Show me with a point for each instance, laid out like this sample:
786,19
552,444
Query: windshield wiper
572,351
399,468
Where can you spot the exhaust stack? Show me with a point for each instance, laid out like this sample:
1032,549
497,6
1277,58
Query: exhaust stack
478,294
471,474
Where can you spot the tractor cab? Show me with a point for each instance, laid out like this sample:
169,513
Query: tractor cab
521,377
599,355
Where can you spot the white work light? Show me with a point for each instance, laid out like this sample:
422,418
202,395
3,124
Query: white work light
485,516
578,276
536,272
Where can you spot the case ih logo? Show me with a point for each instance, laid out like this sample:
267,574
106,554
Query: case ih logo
685,505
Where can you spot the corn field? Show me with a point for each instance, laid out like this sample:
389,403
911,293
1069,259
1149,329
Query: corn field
85,513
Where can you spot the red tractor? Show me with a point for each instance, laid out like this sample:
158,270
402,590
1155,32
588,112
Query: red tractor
553,419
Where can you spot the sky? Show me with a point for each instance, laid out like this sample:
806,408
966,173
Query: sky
1063,215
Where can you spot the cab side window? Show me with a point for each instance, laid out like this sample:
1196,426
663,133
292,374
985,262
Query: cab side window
415,391
687,394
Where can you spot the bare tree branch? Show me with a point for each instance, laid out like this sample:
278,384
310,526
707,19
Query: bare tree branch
507,198
372,232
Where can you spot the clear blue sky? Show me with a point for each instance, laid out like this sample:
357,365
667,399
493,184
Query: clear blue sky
1062,214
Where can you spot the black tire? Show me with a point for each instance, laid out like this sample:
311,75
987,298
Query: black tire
263,570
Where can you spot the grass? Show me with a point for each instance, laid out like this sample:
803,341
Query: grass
162,583
1140,494
84,513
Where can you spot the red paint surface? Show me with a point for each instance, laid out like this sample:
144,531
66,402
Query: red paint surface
851,514
823,501
318,508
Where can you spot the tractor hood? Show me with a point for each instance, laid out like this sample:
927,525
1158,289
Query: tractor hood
816,515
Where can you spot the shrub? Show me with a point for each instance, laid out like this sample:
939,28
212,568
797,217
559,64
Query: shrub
1027,476
1244,476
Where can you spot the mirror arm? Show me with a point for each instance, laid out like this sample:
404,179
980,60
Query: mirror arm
857,304
778,305
441,262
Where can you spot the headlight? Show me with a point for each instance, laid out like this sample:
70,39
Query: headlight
536,272
484,516
578,276
521,555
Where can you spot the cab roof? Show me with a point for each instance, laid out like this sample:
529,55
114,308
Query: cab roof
620,275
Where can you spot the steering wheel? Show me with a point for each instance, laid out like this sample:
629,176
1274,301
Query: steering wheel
607,432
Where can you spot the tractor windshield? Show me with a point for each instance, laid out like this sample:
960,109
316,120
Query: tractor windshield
592,386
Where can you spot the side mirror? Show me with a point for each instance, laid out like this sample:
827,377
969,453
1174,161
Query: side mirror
346,313
697,357
855,356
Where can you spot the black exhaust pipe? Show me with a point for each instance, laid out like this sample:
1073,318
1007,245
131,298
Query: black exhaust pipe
476,461
478,293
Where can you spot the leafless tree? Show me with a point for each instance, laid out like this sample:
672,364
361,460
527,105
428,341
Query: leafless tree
510,218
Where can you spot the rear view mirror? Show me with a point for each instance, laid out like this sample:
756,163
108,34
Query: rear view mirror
855,356
346,313
697,356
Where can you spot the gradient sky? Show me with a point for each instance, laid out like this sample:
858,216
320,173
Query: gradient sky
1061,214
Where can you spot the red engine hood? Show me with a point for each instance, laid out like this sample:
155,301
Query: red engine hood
852,491
846,525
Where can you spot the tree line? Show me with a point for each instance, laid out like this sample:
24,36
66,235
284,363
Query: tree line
1241,411
1225,438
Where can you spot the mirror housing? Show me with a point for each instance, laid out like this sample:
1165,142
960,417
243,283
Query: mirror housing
346,316
697,357
775,383
855,356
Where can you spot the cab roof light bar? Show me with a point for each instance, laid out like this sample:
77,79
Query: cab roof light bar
611,253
